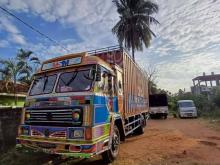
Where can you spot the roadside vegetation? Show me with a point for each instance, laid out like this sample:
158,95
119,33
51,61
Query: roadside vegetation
18,70
208,106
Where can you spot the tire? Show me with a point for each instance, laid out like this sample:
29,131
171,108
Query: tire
165,116
110,155
152,116
140,129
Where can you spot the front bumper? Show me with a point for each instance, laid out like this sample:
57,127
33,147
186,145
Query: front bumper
65,148
158,112
188,114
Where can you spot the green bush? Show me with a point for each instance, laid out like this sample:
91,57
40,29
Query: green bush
201,102
216,96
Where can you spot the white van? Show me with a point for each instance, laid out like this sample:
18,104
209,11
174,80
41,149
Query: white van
186,108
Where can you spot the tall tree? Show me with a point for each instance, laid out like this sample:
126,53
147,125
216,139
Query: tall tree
6,78
30,63
19,68
133,28
11,70
151,73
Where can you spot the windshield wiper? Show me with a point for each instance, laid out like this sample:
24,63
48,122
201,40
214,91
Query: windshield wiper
45,82
72,79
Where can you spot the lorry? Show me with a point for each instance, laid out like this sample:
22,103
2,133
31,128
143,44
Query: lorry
186,108
158,105
85,104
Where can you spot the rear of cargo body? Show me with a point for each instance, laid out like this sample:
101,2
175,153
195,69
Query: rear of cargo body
158,105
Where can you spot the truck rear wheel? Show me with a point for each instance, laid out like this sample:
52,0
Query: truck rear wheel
165,116
140,129
111,154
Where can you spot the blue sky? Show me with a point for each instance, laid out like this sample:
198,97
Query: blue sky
187,42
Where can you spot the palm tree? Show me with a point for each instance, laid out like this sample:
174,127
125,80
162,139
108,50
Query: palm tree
133,28
11,70
6,78
30,64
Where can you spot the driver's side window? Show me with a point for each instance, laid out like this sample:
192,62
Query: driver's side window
103,85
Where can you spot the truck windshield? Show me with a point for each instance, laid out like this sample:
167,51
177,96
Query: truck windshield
43,85
74,81
186,104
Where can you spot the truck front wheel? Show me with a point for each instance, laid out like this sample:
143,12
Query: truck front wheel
111,154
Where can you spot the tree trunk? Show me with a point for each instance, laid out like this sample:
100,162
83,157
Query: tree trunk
133,54
1,137
132,43
15,92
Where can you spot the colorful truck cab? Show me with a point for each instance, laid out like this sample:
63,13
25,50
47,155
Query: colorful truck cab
84,104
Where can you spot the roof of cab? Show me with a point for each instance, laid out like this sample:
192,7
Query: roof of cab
64,57
86,60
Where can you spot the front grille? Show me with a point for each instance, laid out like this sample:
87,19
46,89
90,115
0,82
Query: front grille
189,111
36,133
59,117
59,134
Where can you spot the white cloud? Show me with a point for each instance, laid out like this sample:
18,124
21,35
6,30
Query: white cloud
17,38
15,35
188,37
3,43
92,20
189,43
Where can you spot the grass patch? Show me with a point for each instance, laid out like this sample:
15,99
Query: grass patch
214,114
213,118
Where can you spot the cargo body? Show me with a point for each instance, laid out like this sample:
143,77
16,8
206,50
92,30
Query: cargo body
84,104
158,105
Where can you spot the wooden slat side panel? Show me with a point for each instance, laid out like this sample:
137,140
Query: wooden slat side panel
125,80
135,89
127,90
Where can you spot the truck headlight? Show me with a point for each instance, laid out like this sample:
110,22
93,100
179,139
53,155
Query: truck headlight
24,130
76,116
76,133
27,115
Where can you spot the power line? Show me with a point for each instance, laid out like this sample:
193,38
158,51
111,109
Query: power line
34,29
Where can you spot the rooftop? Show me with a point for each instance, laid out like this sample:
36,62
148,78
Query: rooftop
211,77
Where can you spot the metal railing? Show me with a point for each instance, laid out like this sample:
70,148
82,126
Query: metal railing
105,50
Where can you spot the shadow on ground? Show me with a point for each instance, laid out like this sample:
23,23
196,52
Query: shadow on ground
24,156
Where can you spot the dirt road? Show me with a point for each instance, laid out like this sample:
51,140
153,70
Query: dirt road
165,142
171,141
